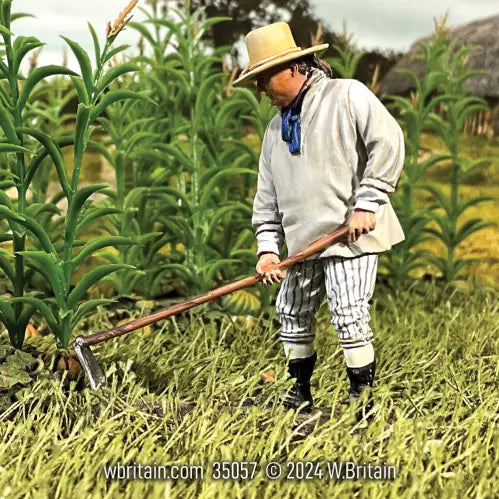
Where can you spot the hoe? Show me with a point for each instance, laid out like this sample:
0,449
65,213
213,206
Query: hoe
82,344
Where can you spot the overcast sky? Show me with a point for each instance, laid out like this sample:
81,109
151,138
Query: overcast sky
387,24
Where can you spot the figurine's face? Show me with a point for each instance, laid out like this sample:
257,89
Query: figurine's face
280,83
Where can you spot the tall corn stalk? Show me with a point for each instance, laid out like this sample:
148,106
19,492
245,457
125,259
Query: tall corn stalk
414,115
13,99
57,262
202,131
457,105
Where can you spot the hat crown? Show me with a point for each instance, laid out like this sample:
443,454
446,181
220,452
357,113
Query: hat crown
269,41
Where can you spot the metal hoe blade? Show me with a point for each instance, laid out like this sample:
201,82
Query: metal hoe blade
90,365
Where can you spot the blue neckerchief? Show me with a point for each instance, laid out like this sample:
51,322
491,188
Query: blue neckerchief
291,122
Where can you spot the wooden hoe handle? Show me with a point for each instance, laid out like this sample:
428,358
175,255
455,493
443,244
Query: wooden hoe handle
313,248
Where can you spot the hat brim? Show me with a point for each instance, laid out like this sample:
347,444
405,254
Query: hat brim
249,77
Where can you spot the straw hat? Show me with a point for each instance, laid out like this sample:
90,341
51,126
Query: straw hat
270,46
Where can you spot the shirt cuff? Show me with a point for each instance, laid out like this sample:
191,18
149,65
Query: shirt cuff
369,198
267,247
363,204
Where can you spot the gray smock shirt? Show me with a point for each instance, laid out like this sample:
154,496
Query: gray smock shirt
352,153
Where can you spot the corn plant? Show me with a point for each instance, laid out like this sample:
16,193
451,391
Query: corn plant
137,212
200,186
13,100
57,263
457,105
47,110
414,115
348,59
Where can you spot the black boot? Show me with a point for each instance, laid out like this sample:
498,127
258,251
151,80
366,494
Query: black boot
301,370
361,378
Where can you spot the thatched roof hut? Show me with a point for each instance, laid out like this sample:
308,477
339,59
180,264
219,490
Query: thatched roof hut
484,32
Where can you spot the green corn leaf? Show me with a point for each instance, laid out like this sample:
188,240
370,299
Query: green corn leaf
208,23
179,196
115,96
7,268
7,124
31,224
245,239
91,278
467,164
51,268
143,31
14,219
178,154
439,262
462,207
20,15
244,253
7,315
82,122
5,10
75,207
22,46
36,209
110,257
44,309
99,243
81,90
87,307
114,52
93,215
212,268
13,148
5,200
223,211
437,234
55,153
100,148
470,227
35,77
37,160
137,138
172,227
135,195
114,73
462,262
433,160
202,95
443,201
218,180
95,39
188,235
167,23
84,62
5,31
178,269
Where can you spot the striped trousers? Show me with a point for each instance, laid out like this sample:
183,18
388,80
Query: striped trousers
347,283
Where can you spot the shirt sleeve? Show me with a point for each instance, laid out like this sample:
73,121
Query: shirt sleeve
384,143
266,219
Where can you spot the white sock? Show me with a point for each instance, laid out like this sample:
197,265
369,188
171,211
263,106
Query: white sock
360,356
298,351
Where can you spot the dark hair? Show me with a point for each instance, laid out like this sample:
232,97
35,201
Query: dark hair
306,63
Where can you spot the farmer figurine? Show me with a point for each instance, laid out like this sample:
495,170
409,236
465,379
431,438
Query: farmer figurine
330,156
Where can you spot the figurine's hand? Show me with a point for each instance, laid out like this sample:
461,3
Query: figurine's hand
265,262
361,222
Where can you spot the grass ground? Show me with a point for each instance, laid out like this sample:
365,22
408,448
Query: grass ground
176,397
